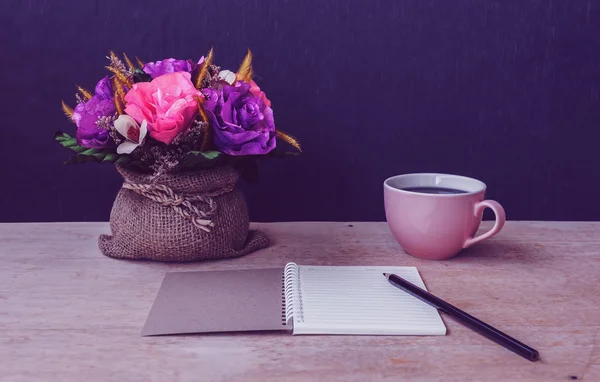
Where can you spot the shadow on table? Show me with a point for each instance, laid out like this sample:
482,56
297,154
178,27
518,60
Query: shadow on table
505,252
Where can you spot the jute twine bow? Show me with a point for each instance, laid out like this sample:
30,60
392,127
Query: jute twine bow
182,204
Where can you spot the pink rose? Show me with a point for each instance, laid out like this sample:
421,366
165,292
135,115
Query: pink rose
254,89
167,103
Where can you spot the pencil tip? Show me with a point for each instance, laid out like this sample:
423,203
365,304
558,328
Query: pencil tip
386,275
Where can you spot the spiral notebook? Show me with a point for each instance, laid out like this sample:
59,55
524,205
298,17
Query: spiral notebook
301,299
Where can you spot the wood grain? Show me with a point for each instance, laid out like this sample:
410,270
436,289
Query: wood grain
68,313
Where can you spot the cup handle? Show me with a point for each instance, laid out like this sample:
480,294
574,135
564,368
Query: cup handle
500,220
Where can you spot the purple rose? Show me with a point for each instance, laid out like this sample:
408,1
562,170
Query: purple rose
170,65
104,89
242,123
87,113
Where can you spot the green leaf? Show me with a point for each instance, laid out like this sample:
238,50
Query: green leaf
123,159
100,157
88,155
111,157
283,154
59,136
200,159
141,76
89,152
69,142
210,154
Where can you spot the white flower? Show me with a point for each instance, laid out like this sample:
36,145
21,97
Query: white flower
227,76
134,134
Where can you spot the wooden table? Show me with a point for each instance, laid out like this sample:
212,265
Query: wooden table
67,313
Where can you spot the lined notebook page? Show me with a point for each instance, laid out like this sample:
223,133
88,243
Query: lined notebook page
359,300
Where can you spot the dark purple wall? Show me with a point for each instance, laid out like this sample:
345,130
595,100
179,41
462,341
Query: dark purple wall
503,90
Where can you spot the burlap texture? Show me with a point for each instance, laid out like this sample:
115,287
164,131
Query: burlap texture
145,229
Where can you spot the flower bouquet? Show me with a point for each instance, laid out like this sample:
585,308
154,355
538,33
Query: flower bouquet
180,133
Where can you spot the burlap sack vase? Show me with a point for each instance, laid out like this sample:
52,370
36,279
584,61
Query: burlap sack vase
180,217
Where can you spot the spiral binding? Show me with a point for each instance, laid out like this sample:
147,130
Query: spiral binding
293,301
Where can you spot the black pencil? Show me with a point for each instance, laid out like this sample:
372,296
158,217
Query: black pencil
464,318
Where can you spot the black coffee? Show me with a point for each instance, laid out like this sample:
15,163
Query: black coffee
434,190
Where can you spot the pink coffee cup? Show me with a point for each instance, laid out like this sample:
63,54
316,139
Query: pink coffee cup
435,216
